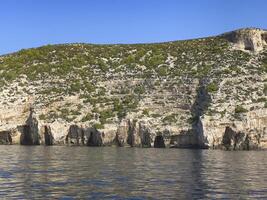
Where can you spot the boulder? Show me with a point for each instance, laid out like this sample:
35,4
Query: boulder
5,137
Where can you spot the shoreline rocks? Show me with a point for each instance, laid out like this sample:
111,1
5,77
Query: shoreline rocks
134,133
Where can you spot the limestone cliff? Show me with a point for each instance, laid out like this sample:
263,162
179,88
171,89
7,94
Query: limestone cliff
248,39
202,93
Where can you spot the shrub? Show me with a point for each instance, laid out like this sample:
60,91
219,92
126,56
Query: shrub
212,87
265,89
139,89
104,115
264,67
146,112
240,109
98,126
170,118
162,71
42,117
263,99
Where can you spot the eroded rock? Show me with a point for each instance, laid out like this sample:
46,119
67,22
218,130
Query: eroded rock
145,135
186,139
75,135
30,133
250,39
95,138
122,134
48,136
5,137
238,140
133,137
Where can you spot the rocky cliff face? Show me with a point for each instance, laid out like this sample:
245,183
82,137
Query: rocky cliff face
248,39
202,93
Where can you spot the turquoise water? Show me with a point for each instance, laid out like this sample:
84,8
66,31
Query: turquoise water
39,172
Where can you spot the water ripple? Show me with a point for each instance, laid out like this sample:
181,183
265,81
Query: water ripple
129,173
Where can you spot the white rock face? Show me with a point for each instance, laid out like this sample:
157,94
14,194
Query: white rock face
252,129
248,39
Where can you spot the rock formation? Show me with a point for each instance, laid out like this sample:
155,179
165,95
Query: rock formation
5,137
248,39
202,93
76,135
95,138
48,136
30,135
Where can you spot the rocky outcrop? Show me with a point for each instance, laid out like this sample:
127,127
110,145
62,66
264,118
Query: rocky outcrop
134,133
5,137
122,134
145,135
194,137
237,140
30,133
233,140
186,139
48,138
247,134
248,39
133,137
84,136
76,135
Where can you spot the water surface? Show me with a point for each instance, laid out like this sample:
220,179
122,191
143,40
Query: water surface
40,172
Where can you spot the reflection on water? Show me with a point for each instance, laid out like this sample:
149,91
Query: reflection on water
130,173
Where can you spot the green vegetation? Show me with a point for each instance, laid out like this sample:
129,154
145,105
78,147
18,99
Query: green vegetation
88,117
98,126
212,87
139,89
172,118
240,109
145,112
262,99
82,59
104,115
122,106
42,117
112,80
265,89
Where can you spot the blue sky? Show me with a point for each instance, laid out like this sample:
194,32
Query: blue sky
32,23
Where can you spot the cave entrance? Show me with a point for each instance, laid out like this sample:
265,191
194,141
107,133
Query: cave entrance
95,139
27,137
248,48
5,137
159,142
48,136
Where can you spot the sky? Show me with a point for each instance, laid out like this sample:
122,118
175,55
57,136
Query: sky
33,23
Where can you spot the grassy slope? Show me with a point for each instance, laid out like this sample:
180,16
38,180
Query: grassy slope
81,69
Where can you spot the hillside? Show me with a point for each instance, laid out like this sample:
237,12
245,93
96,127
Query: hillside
202,93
